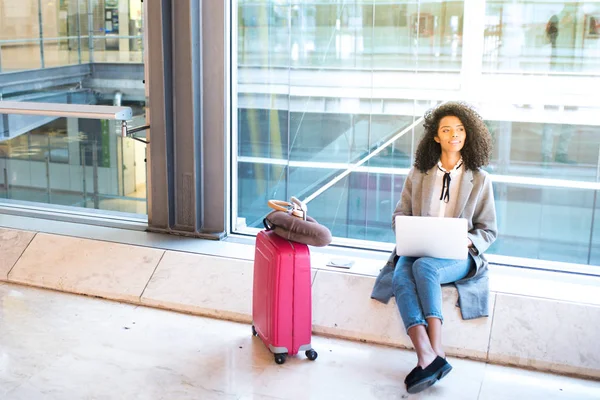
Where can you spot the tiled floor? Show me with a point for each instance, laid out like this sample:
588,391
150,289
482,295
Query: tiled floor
61,346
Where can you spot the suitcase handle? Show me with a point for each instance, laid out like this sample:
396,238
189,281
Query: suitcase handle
287,207
297,203
268,225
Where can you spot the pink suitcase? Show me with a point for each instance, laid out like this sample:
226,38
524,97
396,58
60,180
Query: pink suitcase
281,300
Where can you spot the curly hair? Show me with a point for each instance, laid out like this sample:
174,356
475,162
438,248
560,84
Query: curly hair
477,149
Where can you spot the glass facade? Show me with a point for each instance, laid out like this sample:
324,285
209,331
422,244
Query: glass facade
323,84
41,34
72,52
541,36
73,162
323,88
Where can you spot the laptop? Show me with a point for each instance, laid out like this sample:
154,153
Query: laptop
432,237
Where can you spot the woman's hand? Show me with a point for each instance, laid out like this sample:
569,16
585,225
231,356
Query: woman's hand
470,244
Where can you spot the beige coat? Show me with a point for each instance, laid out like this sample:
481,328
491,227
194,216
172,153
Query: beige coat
475,203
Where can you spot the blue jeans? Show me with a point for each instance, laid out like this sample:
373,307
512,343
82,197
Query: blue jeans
417,286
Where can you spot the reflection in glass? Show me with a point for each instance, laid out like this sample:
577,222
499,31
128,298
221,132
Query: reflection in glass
541,36
346,35
543,223
71,162
69,33
323,84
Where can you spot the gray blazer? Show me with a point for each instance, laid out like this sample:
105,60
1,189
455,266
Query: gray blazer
476,204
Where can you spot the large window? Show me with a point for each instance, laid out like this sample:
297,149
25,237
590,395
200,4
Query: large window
72,52
71,162
322,85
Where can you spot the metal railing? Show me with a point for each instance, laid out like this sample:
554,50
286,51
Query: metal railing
66,110
89,111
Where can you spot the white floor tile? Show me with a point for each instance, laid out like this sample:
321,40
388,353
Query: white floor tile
503,383
61,346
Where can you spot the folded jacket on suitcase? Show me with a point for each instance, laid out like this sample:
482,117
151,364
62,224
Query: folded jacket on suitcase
298,230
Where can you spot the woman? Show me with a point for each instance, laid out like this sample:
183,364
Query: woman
446,181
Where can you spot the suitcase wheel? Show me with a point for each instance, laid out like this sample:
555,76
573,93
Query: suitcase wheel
280,358
311,354
254,333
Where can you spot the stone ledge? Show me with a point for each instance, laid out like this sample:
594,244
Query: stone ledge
532,332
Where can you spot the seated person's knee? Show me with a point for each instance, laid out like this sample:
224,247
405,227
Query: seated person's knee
422,267
400,279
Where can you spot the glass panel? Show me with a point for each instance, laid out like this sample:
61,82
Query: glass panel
332,208
79,163
257,184
321,137
18,56
117,31
543,222
263,34
336,119
19,36
262,133
380,193
61,52
71,162
111,31
404,33
552,150
323,84
594,251
118,49
360,206
542,36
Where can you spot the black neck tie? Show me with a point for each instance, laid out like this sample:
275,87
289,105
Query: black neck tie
446,184
445,187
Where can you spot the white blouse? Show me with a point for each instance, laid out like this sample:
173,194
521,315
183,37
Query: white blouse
440,207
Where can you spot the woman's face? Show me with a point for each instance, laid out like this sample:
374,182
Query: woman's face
451,134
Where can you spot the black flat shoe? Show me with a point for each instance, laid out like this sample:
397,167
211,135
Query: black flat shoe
445,371
411,375
420,379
